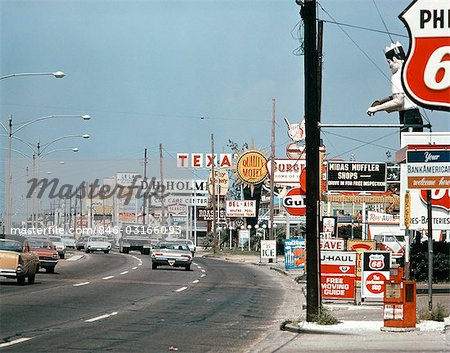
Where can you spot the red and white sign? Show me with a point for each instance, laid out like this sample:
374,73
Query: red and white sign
294,202
332,244
426,72
241,208
177,209
440,198
204,160
287,171
375,271
294,151
337,274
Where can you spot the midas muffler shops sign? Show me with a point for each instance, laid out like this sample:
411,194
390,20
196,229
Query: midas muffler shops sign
338,274
354,176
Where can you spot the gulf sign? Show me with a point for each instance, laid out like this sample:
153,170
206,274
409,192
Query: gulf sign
337,274
426,72
294,202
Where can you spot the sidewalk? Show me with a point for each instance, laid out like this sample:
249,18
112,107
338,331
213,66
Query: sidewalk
366,317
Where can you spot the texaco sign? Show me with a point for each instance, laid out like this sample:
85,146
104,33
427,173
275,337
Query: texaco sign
426,72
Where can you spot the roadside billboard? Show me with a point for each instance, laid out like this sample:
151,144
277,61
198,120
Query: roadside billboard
356,177
337,274
375,271
294,254
240,208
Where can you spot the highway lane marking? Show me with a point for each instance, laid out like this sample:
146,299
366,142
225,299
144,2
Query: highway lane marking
134,268
181,289
81,284
108,277
101,317
19,340
124,272
140,264
75,258
203,276
196,281
203,271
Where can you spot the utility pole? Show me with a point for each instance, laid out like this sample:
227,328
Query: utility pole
430,250
162,183
313,299
144,206
8,181
319,68
272,177
213,179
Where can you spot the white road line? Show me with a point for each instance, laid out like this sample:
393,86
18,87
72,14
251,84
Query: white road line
203,271
101,317
81,284
75,258
140,264
108,277
196,281
181,289
19,340
137,258
134,268
124,272
195,263
203,276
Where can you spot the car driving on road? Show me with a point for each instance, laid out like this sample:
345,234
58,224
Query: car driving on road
48,256
98,243
81,242
171,254
69,241
59,245
18,261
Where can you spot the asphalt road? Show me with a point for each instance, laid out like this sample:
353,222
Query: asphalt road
116,303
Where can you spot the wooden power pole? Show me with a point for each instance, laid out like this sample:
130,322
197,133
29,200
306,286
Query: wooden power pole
312,140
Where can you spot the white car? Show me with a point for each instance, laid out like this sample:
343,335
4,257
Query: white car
98,243
69,241
59,245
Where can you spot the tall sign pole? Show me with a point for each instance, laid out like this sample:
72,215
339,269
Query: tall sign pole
313,300
213,180
272,166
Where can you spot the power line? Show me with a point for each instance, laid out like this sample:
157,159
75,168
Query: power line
364,28
382,20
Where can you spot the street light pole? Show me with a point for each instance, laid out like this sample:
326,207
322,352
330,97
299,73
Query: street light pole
57,74
8,180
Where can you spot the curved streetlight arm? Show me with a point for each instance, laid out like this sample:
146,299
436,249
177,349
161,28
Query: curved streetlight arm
25,124
73,149
31,146
57,74
4,127
44,147
17,151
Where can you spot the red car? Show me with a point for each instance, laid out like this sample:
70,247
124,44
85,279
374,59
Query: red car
48,256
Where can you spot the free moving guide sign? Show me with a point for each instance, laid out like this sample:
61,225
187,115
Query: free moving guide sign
338,274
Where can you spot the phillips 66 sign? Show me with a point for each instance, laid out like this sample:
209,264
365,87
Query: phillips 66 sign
426,72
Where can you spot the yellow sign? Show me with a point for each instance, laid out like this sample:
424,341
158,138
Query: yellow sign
251,167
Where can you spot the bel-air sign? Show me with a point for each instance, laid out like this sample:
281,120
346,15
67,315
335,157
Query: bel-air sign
426,72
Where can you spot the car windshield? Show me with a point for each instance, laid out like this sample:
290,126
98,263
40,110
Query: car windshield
44,244
10,245
97,239
173,246
56,239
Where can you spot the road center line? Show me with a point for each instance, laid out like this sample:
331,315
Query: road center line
196,281
203,276
203,271
108,277
181,289
124,272
81,284
19,340
134,268
101,317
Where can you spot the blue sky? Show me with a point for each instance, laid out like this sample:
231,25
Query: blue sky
147,71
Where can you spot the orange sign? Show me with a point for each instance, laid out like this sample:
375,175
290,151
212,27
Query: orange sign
251,167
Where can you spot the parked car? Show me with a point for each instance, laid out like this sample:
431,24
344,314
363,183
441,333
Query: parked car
69,241
18,261
98,243
48,256
59,245
175,254
81,242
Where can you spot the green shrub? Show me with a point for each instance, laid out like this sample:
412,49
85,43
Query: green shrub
439,313
441,261
325,318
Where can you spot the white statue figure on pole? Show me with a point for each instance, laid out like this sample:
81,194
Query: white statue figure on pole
409,114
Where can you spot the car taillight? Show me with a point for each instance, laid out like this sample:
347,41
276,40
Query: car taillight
158,254
186,256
